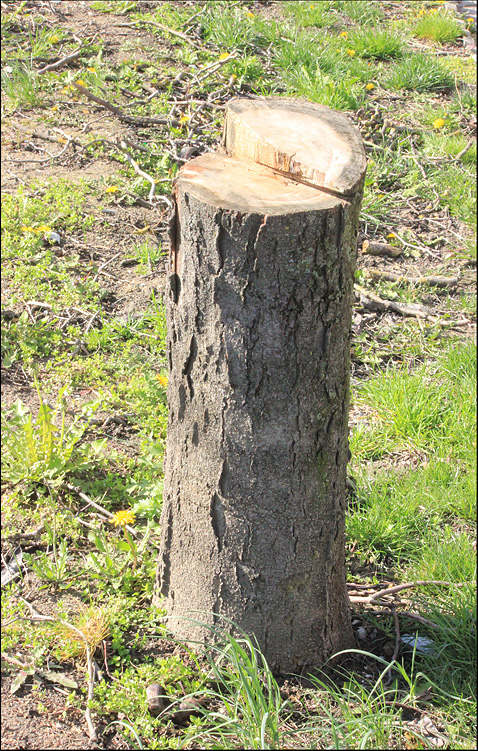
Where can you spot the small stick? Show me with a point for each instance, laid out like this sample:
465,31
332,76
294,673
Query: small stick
140,172
433,281
370,300
91,321
121,115
464,151
400,587
412,616
173,32
90,502
26,535
398,641
380,249
59,63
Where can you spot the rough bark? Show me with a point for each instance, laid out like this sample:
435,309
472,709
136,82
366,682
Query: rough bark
259,315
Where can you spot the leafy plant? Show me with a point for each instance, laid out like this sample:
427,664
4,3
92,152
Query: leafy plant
50,569
45,449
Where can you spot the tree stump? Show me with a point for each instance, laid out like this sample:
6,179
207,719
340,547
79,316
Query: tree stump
259,316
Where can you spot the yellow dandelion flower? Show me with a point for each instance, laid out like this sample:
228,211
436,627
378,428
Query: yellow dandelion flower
66,89
54,39
183,119
470,21
370,86
81,82
163,379
233,77
344,34
351,53
26,229
250,14
223,55
391,235
43,228
122,518
111,189
54,109
438,123
92,70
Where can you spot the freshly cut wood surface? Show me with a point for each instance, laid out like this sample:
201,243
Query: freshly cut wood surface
229,183
312,143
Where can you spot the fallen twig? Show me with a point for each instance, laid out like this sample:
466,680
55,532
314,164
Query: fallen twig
397,644
38,134
380,249
63,61
412,616
374,302
400,587
173,32
140,172
95,505
211,68
433,281
26,535
121,115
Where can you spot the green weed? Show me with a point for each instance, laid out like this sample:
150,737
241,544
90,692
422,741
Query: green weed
418,72
438,28
44,449
306,14
458,191
322,88
22,86
365,12
376,44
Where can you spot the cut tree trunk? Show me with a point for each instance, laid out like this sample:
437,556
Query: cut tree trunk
259,317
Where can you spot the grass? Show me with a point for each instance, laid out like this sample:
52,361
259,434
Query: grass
377,44
420,73
102,365
438,28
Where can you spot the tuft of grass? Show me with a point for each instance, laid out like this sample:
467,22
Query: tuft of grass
438,28
419,72
94,624
458,191
376,44
119,7
308,14
236,28
322,88
363,12
22,86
